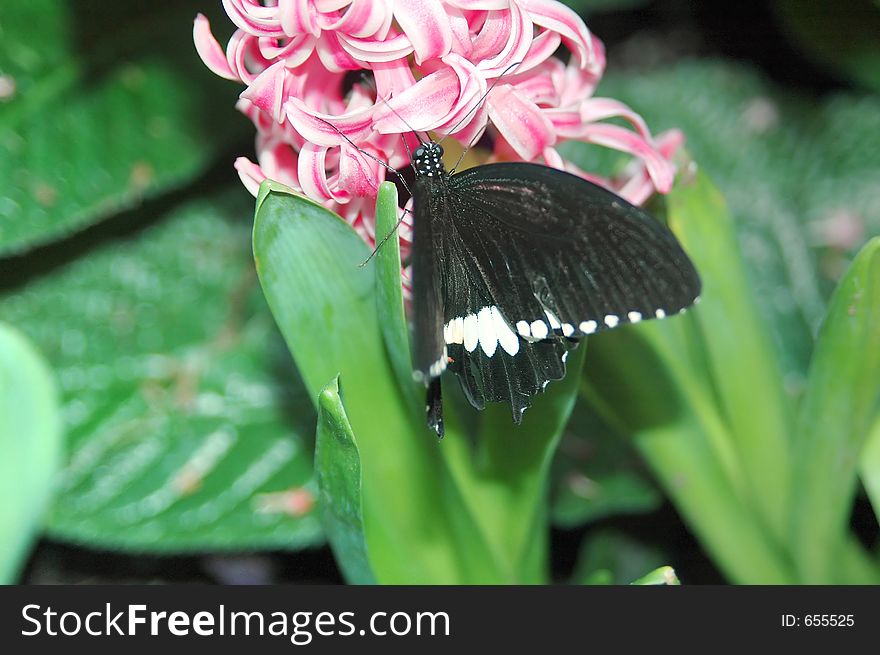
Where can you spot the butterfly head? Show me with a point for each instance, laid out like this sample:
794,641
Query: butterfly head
427,160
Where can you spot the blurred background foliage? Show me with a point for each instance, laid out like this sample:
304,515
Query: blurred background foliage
153,425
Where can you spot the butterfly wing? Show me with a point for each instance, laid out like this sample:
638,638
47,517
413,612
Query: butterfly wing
524,260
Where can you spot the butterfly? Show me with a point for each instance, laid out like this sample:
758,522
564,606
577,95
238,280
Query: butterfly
514,263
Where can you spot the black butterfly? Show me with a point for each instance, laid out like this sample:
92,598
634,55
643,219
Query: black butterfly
513,263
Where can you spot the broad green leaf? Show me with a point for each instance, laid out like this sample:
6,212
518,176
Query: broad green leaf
308,260
30,443
173,382
840,35
133,113
870,467
836,415
338,471
742,363
635,383
597,474
665,575
508,487
611,557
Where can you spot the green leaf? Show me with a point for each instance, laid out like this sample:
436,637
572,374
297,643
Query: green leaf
611,557
133,113
169,364
633,381
308,260
389,292
597,474
30,440
741,362
870,467
338,469
837,413
665,575
840,35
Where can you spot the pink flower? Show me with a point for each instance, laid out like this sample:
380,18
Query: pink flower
376,69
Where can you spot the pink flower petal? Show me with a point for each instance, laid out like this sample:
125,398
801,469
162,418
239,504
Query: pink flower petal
326,129
267,91
365,18
312,172
254,18
421,107
496,56
369,50
392,77
461,35
427,27
620,138
294,53
333,54
520,122
251,175
541,49
358,174
597,109
559,18
209,50
638,186
472,5
297,17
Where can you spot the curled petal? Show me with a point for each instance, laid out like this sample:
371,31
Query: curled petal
365,18
392,77
497,55
597,109
472,92
462,43
266,92
475,5
334,56
297,17
312,173
638,186
294,53
620,138
358,174
251,175
421,107
567,123
559,18
427,27
254,18
520,122
243,55
209,50
541,49
369,50
326,129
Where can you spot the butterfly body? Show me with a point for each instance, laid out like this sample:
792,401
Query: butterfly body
514,263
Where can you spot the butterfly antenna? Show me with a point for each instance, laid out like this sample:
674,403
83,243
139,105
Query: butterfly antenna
468,115
384,239
384,165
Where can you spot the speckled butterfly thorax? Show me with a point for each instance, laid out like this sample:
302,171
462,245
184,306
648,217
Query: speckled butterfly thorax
513,264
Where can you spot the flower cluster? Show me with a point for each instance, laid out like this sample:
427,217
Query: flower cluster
330,80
